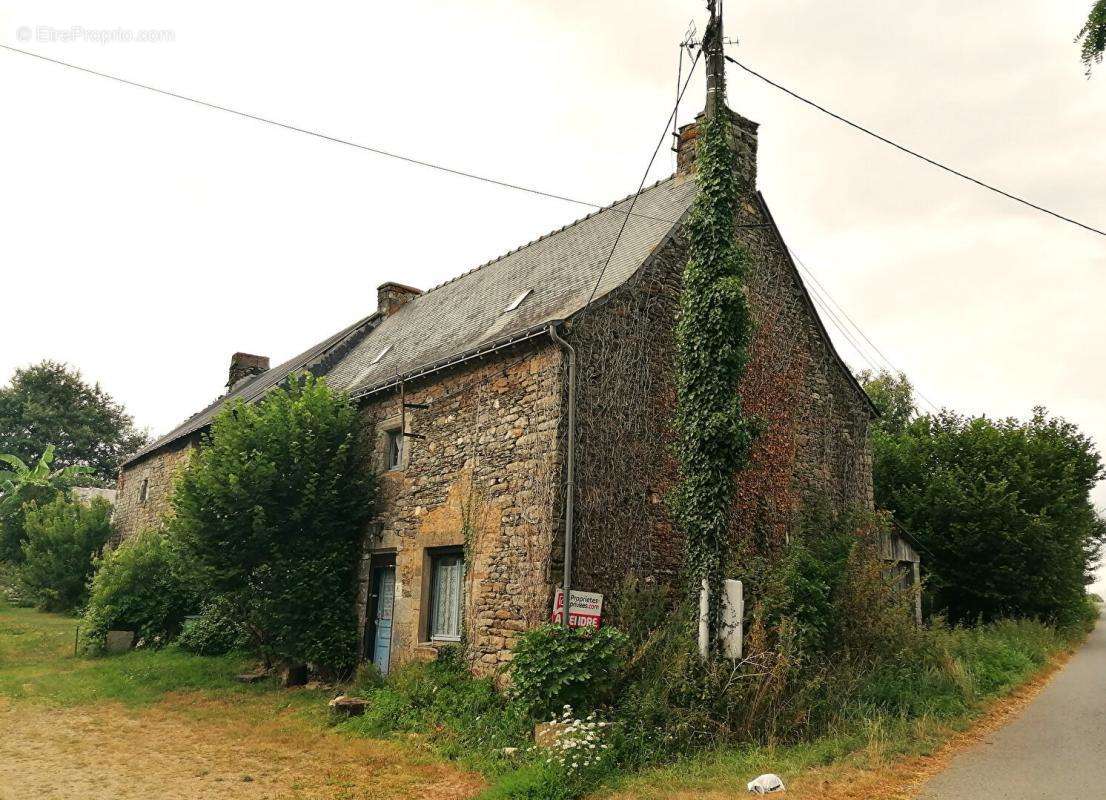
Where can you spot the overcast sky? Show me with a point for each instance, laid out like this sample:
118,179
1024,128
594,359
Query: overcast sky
145,239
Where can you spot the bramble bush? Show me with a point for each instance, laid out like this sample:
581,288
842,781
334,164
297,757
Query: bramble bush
215,631
554,666
63,538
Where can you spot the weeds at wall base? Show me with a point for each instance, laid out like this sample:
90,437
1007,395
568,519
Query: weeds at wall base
896,713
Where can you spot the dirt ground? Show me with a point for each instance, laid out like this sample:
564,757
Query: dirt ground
188,747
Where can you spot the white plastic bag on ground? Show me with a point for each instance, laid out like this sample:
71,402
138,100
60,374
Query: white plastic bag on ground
766,784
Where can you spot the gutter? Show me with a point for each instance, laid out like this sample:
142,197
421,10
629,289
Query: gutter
452,361
570,477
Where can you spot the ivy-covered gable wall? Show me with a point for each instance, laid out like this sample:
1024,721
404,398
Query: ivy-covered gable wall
812,440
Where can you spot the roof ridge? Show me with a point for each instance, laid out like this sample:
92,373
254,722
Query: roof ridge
304,360
543,237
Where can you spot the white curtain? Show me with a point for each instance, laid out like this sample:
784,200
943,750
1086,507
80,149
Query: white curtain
445,618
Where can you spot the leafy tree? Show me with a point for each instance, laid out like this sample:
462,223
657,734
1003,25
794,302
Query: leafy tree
63,538
1001,508
893,396
21,485
50,404
1093,36
271,510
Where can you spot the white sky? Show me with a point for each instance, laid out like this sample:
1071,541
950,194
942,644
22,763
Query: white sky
145,239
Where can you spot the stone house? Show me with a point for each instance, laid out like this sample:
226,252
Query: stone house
465,391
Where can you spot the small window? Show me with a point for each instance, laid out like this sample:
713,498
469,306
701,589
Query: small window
446,581
380,355
393,454
144,490
517,301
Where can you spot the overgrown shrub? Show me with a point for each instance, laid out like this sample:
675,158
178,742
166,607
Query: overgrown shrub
215,631
271,510
142,586
63,538
466,717
821,616
554,666
11,589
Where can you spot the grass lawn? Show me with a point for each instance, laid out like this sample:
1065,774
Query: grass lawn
37,662
171,725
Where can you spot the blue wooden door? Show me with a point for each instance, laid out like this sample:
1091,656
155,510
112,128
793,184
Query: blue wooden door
384,595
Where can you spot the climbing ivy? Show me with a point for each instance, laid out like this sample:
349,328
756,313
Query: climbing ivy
713,333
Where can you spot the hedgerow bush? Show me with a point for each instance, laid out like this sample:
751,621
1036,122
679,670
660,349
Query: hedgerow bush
143,586
62,539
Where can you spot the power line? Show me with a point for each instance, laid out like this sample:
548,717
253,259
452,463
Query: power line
327,137
829,297
828,312
914,153
644,177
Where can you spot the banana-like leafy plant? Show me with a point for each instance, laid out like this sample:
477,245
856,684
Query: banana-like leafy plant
21,484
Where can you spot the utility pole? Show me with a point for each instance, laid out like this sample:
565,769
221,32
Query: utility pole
716,60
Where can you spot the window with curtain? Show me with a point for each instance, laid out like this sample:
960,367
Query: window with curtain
393,457
446,581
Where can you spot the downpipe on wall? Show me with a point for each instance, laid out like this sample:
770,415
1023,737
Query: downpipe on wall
570,476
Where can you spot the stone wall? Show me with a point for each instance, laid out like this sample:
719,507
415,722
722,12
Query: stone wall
156,471
486,478
812,447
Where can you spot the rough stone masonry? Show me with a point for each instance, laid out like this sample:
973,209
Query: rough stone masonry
485,483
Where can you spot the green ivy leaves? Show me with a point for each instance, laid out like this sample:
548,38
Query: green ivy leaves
713,333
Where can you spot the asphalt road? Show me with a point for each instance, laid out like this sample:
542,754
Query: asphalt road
1056,748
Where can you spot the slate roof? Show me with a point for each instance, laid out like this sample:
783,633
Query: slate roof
467,314
254,387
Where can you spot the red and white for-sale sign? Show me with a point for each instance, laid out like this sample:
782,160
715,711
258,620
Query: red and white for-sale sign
585,609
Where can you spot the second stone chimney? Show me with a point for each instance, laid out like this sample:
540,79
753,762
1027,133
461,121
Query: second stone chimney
245,365
391,297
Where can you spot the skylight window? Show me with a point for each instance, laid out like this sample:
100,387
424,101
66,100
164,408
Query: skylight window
517,301
380,355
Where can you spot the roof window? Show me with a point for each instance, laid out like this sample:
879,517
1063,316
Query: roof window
380,355
517,301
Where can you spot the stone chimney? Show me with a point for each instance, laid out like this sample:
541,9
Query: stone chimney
391,297
244,365
744,130
744,145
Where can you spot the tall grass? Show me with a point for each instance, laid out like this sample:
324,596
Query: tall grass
941,680
909,708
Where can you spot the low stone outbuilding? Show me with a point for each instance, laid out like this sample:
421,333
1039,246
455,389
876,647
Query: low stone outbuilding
467,541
